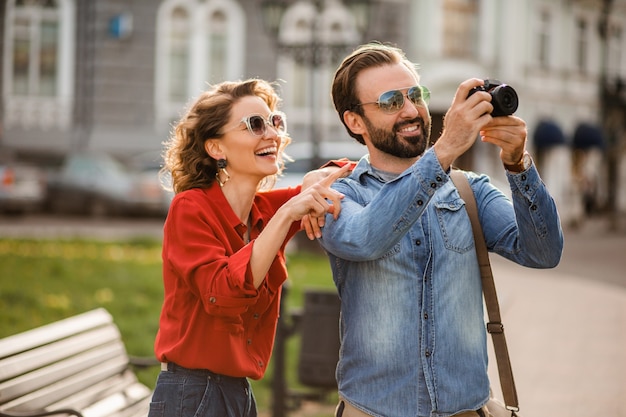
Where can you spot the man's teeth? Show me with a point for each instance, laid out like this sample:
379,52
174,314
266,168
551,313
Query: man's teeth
410,129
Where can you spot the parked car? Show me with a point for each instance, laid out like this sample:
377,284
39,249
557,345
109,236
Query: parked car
100,185
22,187
148,165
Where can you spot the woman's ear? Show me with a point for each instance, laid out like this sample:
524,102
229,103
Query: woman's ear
213,147
354,122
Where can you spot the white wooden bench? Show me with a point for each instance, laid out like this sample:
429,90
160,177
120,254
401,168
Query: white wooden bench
77,366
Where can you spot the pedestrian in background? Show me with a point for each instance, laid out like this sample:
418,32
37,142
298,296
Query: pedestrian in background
223,249
413,339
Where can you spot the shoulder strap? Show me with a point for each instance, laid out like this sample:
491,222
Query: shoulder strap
494,327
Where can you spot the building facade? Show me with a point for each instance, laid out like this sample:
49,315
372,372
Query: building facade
113,75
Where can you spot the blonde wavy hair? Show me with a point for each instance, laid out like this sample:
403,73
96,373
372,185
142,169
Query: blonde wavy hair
185,159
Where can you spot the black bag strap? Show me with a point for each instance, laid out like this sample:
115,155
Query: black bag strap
494,327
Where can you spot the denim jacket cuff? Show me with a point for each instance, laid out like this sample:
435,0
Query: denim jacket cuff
526,183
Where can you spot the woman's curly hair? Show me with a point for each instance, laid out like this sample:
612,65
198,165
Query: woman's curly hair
185,158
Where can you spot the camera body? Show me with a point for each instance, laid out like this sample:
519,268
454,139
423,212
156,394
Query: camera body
503,97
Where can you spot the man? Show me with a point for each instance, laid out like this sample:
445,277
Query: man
402,250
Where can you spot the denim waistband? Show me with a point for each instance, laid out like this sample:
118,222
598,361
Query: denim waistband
172,367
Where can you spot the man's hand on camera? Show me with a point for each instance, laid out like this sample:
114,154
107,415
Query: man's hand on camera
509,134
466,117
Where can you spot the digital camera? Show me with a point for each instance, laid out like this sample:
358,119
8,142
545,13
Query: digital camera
503,97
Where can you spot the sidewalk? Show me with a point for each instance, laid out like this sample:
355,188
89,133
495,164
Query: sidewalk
567,341
566,331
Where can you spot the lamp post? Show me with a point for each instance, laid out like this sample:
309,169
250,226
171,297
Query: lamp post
318,47
613,111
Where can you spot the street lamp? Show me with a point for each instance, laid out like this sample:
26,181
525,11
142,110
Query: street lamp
324,32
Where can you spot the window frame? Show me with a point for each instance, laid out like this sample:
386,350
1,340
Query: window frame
33,109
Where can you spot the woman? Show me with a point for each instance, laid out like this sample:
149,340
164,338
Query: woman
223,249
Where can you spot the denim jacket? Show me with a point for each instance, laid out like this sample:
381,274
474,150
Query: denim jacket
413,338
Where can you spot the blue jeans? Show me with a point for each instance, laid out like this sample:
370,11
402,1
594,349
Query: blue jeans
185,392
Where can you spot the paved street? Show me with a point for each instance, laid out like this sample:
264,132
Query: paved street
593,252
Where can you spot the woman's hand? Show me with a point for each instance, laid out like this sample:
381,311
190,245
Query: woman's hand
313,199
317,175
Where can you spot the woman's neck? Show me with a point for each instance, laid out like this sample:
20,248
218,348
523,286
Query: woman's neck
240,198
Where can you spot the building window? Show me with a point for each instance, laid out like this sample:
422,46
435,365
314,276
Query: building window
198,42
48,62
178,55
582,45
218,48
38,63
543,40
35,48
460,28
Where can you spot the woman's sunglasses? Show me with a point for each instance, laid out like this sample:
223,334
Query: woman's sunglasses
392,101
257,124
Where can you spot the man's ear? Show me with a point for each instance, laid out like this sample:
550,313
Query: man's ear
354,122
214,148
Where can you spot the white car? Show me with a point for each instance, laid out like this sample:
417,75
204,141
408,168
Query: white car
22,187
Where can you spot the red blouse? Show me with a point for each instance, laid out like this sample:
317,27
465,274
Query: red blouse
212,317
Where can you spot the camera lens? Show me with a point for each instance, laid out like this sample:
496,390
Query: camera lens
504,100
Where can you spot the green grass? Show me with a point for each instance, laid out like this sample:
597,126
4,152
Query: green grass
42,281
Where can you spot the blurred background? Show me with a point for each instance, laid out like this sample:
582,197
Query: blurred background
90,91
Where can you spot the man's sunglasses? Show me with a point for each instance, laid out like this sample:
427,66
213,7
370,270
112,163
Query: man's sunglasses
257,124
392,101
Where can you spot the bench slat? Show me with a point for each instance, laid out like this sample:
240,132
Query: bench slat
31,360
139,409
117,402
102,389
61,329
61,389
79,367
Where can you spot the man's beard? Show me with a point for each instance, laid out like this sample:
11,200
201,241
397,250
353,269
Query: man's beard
400,146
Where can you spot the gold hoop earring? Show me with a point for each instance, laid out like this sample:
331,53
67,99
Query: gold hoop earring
221,168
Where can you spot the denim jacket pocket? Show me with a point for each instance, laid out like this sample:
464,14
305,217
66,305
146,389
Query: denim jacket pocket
455,226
